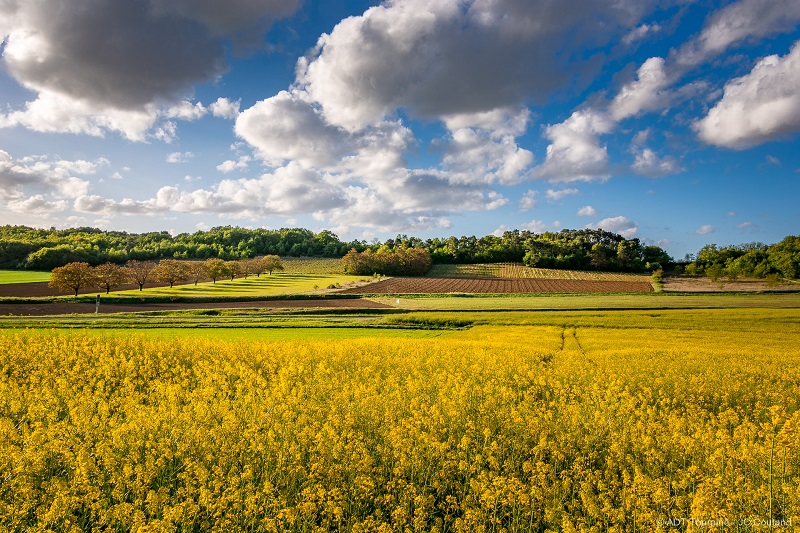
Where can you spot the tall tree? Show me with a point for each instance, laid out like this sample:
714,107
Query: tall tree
271,263
73,277
170,271
234,268
110,275
196,270
216,268
141,271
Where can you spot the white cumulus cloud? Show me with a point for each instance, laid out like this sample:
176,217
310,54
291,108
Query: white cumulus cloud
705,229
757,107
619,224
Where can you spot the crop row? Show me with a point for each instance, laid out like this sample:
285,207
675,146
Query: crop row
434,285
518,270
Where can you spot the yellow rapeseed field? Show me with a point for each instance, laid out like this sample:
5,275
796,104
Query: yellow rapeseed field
537,428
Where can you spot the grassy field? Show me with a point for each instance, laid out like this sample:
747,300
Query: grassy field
590,301
578,420
253,286
23,276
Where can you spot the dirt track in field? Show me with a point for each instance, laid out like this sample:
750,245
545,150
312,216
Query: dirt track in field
66,308
495,286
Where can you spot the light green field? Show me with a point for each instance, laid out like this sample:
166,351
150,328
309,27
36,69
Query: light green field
253,286
22,276
592,301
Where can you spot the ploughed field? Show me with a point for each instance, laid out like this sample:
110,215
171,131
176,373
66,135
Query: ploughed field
518,270
441,285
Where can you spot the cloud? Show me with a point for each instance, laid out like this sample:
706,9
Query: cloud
43,175
621,225
744,225
289,189
51,112
501,121
535,226
640,32
36,205
457,57
474,157
179,157
102,64
574,152
224,108
758,107
554,196
646,93
528,200
287,127
229,166
587,211
185,110
648,164
705,230
772,160
737,22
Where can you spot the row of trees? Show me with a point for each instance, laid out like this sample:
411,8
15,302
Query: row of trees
81,275
387,261
752,260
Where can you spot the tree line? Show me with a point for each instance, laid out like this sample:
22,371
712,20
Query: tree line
752,260
78,275
585,249
22,247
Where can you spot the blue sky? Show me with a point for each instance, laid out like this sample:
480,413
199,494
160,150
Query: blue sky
674,122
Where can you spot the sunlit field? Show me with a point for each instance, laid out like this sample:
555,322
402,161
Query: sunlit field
573,421
255,286
23,276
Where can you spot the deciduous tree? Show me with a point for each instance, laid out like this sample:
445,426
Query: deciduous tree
196,270
216,268
73,277
141,271
170,271
110,275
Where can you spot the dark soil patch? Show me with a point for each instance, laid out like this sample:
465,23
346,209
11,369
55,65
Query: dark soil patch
33,290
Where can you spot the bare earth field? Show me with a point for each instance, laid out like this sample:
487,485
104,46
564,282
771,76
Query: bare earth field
706,285
32,290
495,286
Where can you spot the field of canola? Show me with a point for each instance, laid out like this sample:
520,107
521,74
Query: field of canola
515,428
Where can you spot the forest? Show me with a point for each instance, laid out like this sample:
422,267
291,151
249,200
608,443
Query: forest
23,247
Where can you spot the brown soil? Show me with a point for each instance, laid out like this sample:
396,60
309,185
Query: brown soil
65,308
706,285
495,286
29,290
